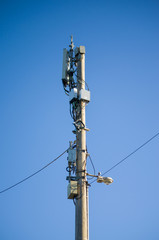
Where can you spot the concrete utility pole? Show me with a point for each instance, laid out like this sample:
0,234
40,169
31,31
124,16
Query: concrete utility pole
81,225
73,79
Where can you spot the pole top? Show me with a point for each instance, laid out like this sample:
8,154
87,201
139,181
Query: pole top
72,44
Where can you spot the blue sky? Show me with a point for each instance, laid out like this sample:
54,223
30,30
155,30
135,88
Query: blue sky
122,59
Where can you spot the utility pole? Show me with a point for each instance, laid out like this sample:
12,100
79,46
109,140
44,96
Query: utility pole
73,79
81,224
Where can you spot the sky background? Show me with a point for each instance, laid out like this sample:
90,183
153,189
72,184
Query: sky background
122,70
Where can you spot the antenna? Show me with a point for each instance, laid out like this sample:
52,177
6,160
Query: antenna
68,68
72,44
65,67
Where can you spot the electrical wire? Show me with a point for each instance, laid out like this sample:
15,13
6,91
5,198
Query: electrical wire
74,201
137,149
94,171
81,80
14,185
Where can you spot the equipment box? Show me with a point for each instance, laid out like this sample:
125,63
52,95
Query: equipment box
84,95
72,189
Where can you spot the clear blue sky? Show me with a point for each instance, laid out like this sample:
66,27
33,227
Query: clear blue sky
122,71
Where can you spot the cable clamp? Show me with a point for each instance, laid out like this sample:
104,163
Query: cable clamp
80,171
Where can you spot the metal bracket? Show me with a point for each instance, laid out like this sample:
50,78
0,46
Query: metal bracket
72,178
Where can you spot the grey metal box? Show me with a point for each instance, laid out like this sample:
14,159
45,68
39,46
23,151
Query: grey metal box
72,155
72,189
82,49
84,95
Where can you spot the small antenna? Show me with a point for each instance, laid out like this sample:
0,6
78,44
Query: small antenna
72,44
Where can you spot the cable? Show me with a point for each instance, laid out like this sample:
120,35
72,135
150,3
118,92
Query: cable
81,80
14,185
137,149
94,171
92,164
74,201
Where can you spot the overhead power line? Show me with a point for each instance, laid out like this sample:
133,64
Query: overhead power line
137,149
33,174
